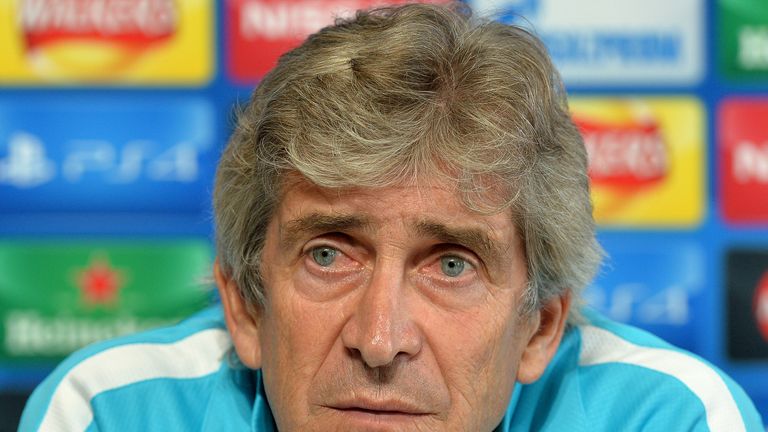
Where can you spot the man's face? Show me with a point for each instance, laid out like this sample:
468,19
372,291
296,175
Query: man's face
391,309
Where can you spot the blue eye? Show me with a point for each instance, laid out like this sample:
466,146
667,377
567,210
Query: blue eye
324,256
452,265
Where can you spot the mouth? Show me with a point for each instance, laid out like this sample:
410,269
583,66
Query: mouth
379,411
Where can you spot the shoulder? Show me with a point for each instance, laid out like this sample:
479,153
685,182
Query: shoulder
192,350
640,379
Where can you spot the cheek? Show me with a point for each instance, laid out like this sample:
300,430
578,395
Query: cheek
297,337
479,360
306,320
303,319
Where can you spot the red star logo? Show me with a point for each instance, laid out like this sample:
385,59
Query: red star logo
99,283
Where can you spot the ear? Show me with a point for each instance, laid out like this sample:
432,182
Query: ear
549,326
242,326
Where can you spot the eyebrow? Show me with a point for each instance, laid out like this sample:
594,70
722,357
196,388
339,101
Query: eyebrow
474,239
312,223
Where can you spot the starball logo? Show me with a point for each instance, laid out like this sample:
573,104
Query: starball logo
102,35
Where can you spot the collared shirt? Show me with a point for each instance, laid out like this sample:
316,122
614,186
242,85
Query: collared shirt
604,377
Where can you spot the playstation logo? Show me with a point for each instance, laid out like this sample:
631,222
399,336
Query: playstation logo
26,164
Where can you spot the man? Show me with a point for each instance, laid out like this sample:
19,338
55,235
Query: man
403,231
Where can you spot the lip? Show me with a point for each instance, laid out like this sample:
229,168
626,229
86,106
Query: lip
386,417
391,407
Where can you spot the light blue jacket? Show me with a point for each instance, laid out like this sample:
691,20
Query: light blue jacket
605,377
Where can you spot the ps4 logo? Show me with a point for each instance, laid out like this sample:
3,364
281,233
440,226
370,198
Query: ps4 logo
27,163
640,304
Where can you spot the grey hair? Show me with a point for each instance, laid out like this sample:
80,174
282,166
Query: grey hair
399,94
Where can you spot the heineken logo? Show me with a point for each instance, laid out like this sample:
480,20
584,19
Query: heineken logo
91,291
99,282
28,333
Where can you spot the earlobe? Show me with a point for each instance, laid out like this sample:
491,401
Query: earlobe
545,338
242,326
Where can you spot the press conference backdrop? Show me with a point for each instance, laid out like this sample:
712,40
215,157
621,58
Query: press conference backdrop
113,114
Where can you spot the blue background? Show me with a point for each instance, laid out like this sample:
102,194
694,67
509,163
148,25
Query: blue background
664,264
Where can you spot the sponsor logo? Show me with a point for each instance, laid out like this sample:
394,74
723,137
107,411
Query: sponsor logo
31,334
103,156
652,288
750,162
627,48
99,282
624,155
743,38
753,47
743,148
105,39
643,304
124,22
26,164
628,42
280,20
761,306
510,11
93,291
746,336
645,159
262,30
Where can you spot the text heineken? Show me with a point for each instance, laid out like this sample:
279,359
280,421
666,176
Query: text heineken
29,334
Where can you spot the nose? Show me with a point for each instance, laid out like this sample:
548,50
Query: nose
382,325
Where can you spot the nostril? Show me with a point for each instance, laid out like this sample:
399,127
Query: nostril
354,353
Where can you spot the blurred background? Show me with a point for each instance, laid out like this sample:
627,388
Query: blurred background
113,114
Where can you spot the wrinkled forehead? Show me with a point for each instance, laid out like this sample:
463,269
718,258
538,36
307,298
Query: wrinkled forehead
485,194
